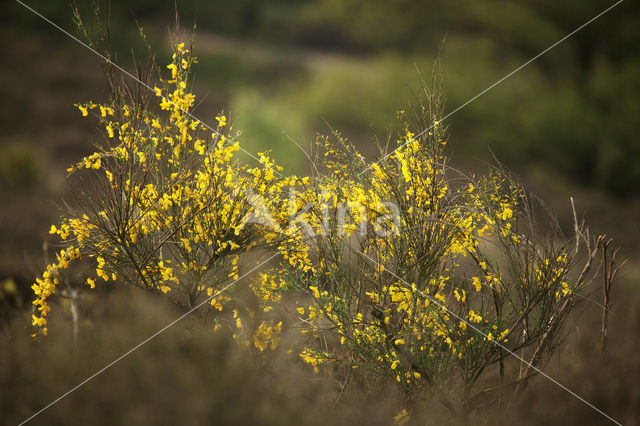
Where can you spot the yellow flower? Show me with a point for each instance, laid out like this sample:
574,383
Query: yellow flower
174,70
199,146
477,284
315,291
267,336
401,418
38,321
314,358
507,213
222,120
473,317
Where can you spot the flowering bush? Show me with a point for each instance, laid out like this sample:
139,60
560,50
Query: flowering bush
171,208
402,270
424,279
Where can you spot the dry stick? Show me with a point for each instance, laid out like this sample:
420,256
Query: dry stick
610,272
576,228
605,298
587,266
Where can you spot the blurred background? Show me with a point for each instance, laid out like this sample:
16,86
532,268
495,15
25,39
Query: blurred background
284,70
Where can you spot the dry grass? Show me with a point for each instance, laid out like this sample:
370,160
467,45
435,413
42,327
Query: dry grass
187,375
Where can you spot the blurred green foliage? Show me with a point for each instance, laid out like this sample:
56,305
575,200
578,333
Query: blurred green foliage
351,64
18,169
575,110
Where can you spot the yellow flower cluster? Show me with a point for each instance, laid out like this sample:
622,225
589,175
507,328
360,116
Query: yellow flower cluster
173,210
404,219
267,336
314,358
45,287
397,269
